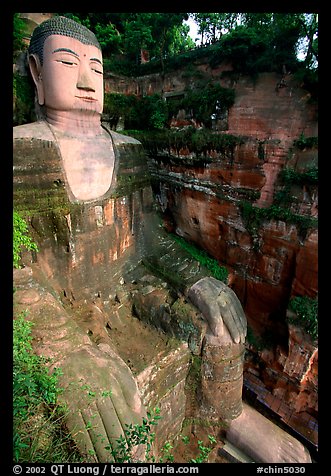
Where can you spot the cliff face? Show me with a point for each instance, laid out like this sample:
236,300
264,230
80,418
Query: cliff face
266,265
270,258
236,206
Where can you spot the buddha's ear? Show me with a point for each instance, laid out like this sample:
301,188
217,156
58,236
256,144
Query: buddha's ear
35,69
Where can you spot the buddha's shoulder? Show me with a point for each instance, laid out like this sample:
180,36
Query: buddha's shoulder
120,138
34,130
39,130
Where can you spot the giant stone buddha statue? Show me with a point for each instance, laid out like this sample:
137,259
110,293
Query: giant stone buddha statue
85,192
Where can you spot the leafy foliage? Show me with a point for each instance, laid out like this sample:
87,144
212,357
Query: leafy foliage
199,141
148,112
207,100
142,434
252,50
306,309
18,32
204,451
291,176
253,41
219,272
201,457
152,112
254,216
306,142
23,95
21,239
32,383
134,435
245,49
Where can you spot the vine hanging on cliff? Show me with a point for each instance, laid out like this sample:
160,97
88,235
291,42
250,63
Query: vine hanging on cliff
254,216
306,310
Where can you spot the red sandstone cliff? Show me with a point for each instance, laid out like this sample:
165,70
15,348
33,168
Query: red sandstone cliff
271,260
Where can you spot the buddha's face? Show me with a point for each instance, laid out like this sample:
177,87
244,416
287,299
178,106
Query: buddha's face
71,75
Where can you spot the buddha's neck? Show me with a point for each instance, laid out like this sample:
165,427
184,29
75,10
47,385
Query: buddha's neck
85,123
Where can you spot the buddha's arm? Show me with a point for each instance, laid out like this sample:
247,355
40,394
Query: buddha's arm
218,304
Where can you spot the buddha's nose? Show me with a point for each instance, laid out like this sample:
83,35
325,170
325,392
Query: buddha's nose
85,82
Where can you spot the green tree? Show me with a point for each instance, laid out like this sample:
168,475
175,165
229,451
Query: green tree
18,33
109,38
106,26
256,20
156,32
212,99
181,41
285,34
138,33
308,42
288,34
164,27
129,33
210,25
306,310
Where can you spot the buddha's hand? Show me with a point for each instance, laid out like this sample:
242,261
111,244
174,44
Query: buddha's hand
220,307
102,401
99,390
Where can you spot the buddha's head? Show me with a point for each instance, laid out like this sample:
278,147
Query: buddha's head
65,61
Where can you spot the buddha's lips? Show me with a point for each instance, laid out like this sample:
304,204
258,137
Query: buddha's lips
86,98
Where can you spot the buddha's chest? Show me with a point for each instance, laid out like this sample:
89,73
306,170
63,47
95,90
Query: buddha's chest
88,165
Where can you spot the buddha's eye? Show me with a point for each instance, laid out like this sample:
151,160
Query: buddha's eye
96,68
67,62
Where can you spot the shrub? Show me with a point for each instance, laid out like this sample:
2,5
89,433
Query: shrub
198,141
290,176
148,112
21,239
253,217
306,310
23,95
245,49
207,100
133,436
306,142
33,386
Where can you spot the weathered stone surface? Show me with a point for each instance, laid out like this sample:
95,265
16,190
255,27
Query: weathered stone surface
88,258
305,282
85,368
200,203
264,441
83,245
270,260
221,379
176,317
300,365
161,385
265,111
261,264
